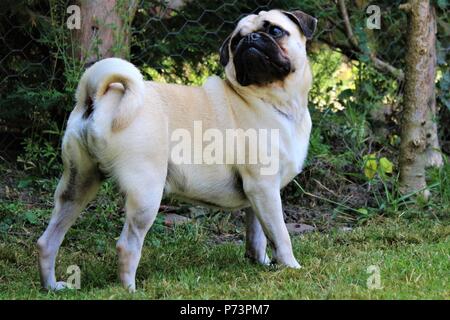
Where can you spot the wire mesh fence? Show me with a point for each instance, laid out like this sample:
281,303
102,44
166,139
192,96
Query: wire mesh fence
176,41
167,37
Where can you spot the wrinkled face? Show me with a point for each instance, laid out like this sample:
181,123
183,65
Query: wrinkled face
267,47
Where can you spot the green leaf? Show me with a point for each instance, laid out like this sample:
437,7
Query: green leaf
363,211
370,166
24,183
386,166
31,217
345,94
442,4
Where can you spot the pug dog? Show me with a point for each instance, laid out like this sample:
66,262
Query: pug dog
129,129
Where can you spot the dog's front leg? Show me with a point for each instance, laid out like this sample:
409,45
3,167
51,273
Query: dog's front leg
266,202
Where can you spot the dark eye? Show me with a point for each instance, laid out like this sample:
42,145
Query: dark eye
276,32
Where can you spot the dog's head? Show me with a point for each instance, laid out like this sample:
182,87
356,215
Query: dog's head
267,47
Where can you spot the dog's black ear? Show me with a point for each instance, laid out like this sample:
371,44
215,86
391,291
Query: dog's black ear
224,53
304,21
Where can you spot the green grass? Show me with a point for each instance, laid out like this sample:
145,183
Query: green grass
409,242
413,257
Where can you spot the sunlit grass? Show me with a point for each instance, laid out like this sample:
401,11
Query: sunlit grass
413,259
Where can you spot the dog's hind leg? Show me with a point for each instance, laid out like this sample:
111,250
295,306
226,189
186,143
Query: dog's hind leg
255,240
143,182
78,185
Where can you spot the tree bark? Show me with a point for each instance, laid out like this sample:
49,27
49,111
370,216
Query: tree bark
105,29
419,97
433,154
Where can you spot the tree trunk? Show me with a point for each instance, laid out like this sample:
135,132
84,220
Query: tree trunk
105,29
419,97
433,154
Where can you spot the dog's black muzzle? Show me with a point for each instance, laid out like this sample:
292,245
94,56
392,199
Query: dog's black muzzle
259,60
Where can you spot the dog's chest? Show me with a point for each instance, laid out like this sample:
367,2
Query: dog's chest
294,142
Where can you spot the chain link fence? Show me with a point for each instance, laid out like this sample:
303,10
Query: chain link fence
174,41
169,39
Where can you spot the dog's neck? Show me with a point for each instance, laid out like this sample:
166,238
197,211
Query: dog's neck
289,97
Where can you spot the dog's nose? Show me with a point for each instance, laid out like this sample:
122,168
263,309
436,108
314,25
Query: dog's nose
254,36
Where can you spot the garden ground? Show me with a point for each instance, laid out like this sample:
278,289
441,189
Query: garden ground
204,259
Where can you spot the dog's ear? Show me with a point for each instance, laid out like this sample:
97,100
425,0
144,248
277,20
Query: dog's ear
304,21
224,53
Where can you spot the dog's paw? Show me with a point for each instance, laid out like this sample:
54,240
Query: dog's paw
291,265
265,260
59,286
295,265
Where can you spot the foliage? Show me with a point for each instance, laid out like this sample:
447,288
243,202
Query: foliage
40,74
372,166
180,45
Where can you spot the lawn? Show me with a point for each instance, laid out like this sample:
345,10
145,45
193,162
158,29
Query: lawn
405,244
413,259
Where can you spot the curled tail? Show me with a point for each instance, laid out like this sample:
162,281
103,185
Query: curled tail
95,83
